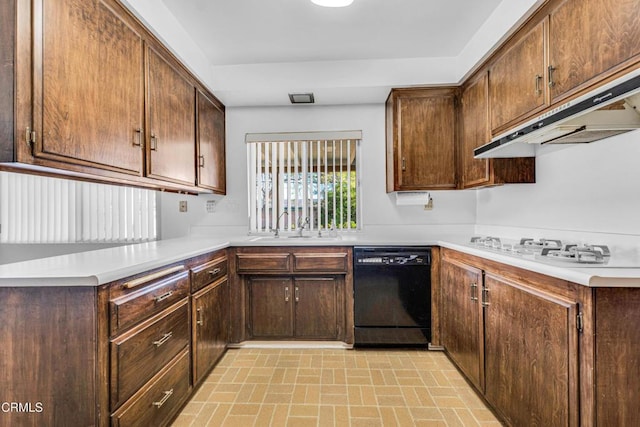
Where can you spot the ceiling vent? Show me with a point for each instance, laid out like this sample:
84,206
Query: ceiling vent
301,98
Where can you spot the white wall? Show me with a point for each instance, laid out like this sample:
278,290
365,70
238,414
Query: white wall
591,188
450,207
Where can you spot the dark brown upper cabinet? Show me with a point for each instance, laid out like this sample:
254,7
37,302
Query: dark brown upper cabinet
421,139
211,147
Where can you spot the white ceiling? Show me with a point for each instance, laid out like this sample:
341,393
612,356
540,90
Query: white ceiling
232,32
255,52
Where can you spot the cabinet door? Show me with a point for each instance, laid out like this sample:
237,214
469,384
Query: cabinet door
609,39
172,139
211,152
210,326
516,80
316,308
461,321
88,99
475,132
425,140
531,355
271,302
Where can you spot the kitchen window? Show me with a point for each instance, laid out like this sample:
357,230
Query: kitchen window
303,181
37,209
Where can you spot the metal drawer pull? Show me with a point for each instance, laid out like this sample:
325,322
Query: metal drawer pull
163,296
163,340
199,316
286,294
215,271
146,279
167,395
297,294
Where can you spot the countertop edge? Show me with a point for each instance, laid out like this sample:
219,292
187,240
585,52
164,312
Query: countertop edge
95,268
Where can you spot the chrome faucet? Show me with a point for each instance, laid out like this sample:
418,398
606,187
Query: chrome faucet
276,232
302,222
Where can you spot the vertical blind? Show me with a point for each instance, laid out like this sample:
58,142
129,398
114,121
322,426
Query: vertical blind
36,209
305,179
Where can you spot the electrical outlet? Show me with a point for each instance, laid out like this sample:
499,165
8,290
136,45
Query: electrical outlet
211,206
182,205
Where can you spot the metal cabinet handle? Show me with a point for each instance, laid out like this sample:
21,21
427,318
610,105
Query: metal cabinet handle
137,140
286,294
485,297
297,294
163,340
199,320
550,70
404,164
163,297
154,142
167,395
201,161
538,89
474,292
215,271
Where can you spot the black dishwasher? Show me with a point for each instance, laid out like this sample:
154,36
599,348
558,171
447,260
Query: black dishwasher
392,295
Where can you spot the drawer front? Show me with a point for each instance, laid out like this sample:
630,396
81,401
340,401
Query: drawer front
321,262
268,262
209,272
157,405
130,306
140,353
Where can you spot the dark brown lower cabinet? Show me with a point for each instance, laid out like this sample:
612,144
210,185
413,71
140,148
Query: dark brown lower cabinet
210,309
516,336
304,308
530,354
461,320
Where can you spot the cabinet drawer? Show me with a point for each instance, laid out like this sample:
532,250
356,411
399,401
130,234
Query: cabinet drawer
140,353
248,263
321,262
130,305
209,272
157,404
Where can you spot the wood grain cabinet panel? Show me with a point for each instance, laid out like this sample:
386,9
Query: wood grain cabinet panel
129,306
271,307
475,132
90,93
421,139
316,308
140,353
531,355
172,139
517,80
461,321
211,145
89,97
209,272
157,404
321,262
210,320
263,262
589,39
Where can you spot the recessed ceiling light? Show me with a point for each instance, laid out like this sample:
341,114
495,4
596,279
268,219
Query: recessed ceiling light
332,3
301,98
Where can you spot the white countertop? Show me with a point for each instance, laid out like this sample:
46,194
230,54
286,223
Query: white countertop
102,266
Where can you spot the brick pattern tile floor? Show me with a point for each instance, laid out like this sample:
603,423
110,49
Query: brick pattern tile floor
318,387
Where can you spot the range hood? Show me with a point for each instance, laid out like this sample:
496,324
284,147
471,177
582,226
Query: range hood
609,110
